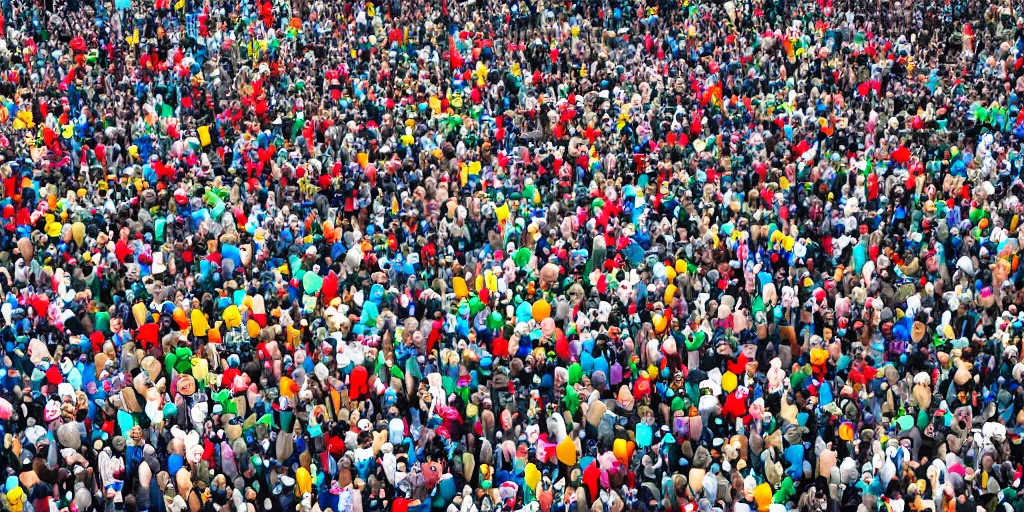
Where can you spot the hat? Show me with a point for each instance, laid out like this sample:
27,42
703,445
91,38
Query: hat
129,401
534,230
69,435
151,366
159,267
917,332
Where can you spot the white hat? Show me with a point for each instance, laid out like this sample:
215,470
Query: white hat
159,267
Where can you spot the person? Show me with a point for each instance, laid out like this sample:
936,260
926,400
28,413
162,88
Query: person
530,256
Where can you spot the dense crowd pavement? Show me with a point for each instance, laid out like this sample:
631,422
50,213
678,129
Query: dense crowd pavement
533,256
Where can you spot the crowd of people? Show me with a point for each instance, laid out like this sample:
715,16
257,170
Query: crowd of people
512,255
